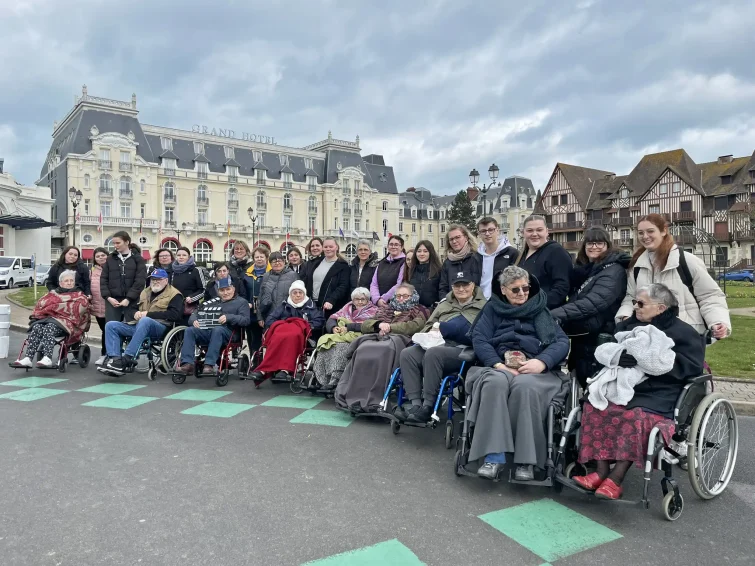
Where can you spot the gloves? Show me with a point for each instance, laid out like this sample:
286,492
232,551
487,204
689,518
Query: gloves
627,360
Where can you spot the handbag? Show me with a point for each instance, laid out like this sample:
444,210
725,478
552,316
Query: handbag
189,308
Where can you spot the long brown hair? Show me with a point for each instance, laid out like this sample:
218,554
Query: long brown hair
594,234
435,265
464,230
661,254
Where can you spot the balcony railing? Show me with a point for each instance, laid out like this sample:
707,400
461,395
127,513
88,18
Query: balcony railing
312,210
686,238
312,188
203,201
571,225
170,224
260,181
288,185
169,172
123,166
624,243
170,198
357,212
595,222
105,164
288,207
126,194
233,178
347,211
261,205
233,204
572,245
118,221
106,192
201,174
720,263
685,216
742,235
623,221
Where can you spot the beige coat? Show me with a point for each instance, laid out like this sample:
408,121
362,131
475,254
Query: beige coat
712,300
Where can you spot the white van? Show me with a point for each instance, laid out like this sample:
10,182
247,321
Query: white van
16,271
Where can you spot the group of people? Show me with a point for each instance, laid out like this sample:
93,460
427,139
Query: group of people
524,314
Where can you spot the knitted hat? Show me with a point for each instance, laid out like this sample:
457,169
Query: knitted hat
298,284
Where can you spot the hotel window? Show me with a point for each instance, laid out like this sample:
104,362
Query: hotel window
169,214
86,207
105,209
400,226
624,234
345,185
429,213
554,200
261,203
357,187
125,158
169,165
125,210
430,229
357,224
385,206
170,192
311,182
366,206
346,224
87,238
287,222
201,217
261,220
126,186
442,228
257,156
142,186
335,223
676,187
367,225
308,162
283,159
167,144
105,184
202,192
233,218
287,202
335,204
86,181
288,180
312,224
202,251
142,210
385,226
564,199
312,205
202,169
414,228
198,148
346,206
414,212
233,172
357,206
624,193
229,153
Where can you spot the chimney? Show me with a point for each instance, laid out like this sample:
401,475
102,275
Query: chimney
726,159
411,190
472,193
611,176
2,162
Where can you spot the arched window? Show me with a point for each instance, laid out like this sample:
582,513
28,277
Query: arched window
169,191
109,245
202,251
233,196
312,205
366,206
170,244
351,252
288,202
142,186
357,206
261,203
346,206
285,246
86,181
202,192
385,205
125,184
106,183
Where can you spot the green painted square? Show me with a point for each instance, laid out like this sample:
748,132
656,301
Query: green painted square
224,410
111,388
549,529
198,395
389,552
120,401
31,394
32,381
327,418
293,402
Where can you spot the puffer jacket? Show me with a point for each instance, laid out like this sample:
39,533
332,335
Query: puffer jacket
82,276
124,279
426,286
308,312
597,292
470,265
710,307
363,279
274,290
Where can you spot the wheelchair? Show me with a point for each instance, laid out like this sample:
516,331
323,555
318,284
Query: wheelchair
704,420
303,377
64,347
230,357
147,360
451,392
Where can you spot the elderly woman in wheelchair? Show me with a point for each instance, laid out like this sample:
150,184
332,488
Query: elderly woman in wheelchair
637,391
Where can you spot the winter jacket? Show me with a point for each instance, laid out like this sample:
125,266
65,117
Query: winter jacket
124,279
308,268
166,307
493,335
253,285
384,283
274,290
492,264
335,285
659,393
552,266
456,319
596,294
211,289
308,312
236,311
426,286
355,316
82,276
363,279
701,310
68,308
408,327
470,265
238,267
190,284
98,303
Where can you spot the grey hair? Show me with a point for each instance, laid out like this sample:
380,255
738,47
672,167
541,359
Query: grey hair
364,242
360,291
659,293
532,218
512,273
68,273
408,286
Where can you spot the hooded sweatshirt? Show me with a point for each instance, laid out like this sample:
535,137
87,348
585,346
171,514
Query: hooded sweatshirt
551,264
504,255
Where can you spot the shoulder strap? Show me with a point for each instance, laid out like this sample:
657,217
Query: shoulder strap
636,273
684,273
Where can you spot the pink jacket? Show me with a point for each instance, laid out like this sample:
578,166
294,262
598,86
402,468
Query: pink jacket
98,303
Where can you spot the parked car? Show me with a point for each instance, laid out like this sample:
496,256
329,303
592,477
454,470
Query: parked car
16,271
43,272
739,275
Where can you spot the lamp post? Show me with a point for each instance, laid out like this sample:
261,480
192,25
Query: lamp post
474,178
75,196
253,218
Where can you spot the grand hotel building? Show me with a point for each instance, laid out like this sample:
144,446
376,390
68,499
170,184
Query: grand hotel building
171,187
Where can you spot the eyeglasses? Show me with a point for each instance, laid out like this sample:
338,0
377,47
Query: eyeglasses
642,304
359,300
402,296
516,290
394,245
276,260
456,238
595,244
487,231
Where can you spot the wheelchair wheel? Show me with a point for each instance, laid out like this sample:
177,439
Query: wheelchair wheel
171,349
457,463
713,442
672,509
63,364
222,379
84,355
449,435
152,373
242,367
395,427
574,469
178,378
296,385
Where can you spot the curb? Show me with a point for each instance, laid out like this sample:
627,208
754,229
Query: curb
744,408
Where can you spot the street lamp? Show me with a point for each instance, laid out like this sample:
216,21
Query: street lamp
474,178
75,197
253,218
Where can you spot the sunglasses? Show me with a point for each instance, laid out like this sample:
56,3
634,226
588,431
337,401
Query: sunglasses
516,290
641,304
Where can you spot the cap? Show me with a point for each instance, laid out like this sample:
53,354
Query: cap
298,284
159,274
276,255
461,277
224,283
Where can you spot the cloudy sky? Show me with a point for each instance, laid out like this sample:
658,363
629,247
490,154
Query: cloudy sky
436,87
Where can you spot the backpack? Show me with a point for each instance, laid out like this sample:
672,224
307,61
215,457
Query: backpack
684,273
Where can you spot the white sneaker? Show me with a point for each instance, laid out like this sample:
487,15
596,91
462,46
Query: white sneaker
100,360
45,362
26,362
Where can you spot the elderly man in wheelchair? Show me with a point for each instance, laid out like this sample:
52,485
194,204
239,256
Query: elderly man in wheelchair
160,306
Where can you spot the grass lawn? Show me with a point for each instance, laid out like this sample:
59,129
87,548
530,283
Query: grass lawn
735,356
739,295
25,296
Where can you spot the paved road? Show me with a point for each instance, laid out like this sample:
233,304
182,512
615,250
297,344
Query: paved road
87,480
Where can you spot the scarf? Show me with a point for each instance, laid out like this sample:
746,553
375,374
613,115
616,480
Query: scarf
399,312
260,271
460,255
297,305
179,268
240,262
535,309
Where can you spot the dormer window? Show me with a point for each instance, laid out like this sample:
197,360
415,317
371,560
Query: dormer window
229,152
624,193
199,148
726,179
308,162
429,213
167,144
414,212
257,155
283,159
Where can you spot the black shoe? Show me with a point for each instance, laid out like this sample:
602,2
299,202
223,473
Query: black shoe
283,375
400,413
421,415
116,364
128,362
257,376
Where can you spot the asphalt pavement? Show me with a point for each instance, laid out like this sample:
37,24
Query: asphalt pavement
125,474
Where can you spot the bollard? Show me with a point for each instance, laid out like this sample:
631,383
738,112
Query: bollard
4,330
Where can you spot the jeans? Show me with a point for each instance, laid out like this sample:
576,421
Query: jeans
216,338
499,458
116,331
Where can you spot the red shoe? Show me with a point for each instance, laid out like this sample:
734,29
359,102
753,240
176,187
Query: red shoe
590,482
609,490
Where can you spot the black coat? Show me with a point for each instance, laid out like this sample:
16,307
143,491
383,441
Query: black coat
124,280
551,264
308,268
309,311
365,279
426,286
211,289
335,286
190,283
82,276
470,265
658,393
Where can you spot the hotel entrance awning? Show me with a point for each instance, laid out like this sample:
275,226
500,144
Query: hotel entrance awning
24,222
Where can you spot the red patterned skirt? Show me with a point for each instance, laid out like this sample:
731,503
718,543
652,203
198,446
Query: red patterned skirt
618,433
